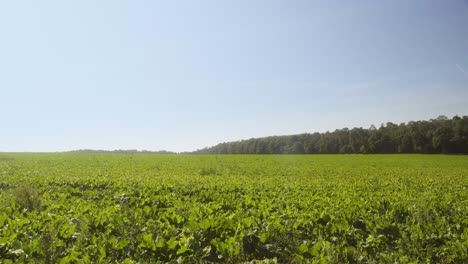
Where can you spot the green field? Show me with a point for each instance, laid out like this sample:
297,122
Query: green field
136,208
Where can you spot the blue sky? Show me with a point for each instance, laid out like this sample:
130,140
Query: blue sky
182,75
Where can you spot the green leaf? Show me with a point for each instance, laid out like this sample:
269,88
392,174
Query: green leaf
172,243
181,250
316,249
303,248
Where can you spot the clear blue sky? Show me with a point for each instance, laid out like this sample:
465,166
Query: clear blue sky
182,75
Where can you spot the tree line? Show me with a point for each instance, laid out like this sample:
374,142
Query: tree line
124,151
439,135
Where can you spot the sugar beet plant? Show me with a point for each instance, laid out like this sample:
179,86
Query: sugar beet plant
124,208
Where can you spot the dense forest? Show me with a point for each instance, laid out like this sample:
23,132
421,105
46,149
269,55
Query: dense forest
440,135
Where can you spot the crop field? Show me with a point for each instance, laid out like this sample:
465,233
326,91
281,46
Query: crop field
143,208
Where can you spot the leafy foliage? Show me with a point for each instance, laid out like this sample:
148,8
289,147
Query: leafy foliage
138,208
440,135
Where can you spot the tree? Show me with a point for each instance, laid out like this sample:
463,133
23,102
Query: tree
439,135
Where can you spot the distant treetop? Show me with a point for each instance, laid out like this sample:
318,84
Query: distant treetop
129,151
440,135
